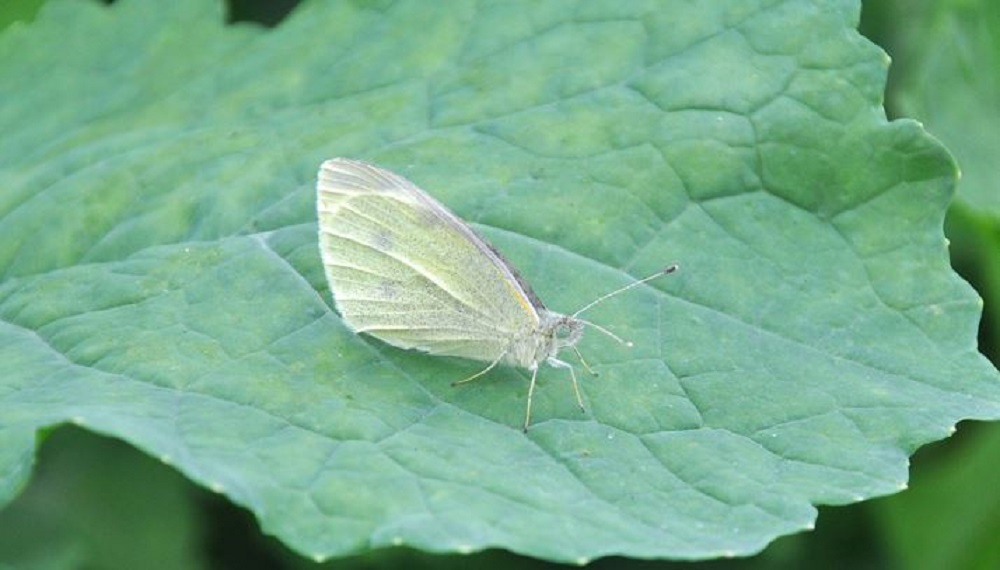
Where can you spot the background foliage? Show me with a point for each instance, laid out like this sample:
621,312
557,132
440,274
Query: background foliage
85,495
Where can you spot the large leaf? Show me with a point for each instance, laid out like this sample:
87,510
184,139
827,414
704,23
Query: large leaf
162,282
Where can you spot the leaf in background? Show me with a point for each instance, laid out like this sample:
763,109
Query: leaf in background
12,11
161,281
955,502
89,493
955,91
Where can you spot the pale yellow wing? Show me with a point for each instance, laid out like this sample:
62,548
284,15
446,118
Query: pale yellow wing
406,270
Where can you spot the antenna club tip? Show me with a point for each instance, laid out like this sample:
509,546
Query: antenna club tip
629,343
670,268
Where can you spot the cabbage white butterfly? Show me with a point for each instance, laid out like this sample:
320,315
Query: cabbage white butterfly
406,270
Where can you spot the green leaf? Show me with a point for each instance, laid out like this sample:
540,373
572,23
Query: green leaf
161,281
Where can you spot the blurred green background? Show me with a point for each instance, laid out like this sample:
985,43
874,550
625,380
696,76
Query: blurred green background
98,503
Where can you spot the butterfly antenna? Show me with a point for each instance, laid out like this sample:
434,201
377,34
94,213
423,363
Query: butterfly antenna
664,271
606,331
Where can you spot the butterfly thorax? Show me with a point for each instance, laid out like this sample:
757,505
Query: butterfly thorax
553,333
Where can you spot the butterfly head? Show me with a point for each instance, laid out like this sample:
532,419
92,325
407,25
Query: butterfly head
566,331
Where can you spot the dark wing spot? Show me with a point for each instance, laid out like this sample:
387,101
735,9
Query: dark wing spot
383,241
388,290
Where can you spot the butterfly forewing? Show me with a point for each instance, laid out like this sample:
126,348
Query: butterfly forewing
406,270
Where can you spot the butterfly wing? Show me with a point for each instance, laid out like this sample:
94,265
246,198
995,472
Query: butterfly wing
406,270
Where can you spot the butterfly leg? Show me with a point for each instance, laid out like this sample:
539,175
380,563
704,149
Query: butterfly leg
531,392
556,363
480,373
584,362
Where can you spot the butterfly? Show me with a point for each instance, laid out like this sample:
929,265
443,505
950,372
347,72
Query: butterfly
406,270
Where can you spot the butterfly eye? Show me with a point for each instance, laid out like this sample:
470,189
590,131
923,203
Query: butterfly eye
563,331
